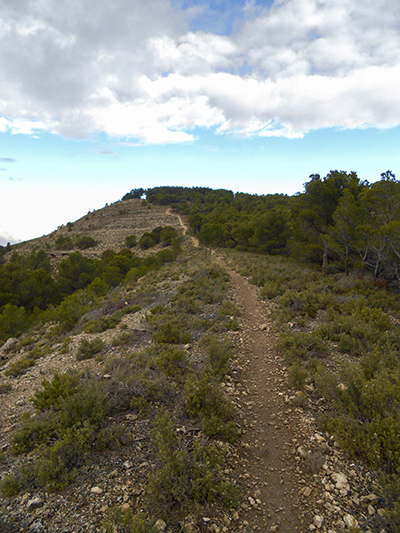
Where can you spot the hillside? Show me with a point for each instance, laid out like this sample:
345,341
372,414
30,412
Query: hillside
108,226
181,411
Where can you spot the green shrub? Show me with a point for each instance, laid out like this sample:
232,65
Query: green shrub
302,345
229,309
204,398
233,325
98,287
63,242
14,320
24,363
140,406
216,428
20,366
112,437
5,388
33,432
147,241
70,422
185,477
88,349
172,331
297,375
85,241
55,391
166,256
127,522
304,303
219,355
123,339
72,308
9,486
57,466
102,324
172,362
130,241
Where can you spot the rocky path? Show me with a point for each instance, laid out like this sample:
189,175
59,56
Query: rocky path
269,424
295,478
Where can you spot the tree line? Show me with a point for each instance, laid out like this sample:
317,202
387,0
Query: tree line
338,221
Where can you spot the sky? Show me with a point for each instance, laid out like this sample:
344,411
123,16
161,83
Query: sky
98,98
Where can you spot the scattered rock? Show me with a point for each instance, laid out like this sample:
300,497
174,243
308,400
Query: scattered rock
8,346
160,525
34,503
318,521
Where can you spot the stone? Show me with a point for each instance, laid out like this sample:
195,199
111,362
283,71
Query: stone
307,491
160,525
318,521
371,509
128,465
340,480
96,490
251,501
34,503
350,521
8,346
301,451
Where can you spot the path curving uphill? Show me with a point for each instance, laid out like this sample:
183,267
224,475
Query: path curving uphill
184,227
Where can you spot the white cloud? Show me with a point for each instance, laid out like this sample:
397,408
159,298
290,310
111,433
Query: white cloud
132,70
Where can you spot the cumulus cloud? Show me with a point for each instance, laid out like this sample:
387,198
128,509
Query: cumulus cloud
134,70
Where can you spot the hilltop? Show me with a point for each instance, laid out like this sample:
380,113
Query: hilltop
108,226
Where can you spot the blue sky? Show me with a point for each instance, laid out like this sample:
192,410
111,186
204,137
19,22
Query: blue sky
99,97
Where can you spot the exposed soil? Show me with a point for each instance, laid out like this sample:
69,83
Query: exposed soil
270,424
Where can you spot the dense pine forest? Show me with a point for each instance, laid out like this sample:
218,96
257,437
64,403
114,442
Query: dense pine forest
328,261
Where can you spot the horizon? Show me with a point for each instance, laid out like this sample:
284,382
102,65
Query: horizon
246,95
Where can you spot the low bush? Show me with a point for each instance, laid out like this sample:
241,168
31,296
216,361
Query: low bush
204,398
172,362
88,349
64,242
68,425
126,521
21,365
299,345
5,388
130,241
171,330
297,375
185,477
85,241
220,352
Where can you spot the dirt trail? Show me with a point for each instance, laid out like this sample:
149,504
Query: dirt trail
269,424
184,227
268,420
